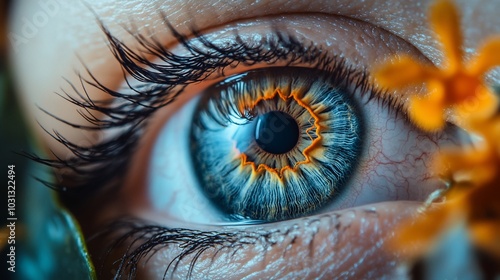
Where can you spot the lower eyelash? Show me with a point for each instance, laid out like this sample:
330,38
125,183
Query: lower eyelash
143,240
151,238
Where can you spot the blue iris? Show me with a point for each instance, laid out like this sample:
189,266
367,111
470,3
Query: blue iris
275,143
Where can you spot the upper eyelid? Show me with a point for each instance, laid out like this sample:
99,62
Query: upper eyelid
85,39
393,22
423,57
202,30
361,12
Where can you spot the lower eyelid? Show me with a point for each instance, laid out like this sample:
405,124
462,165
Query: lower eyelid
346,243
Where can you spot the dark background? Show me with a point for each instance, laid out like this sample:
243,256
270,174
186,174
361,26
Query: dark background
13,137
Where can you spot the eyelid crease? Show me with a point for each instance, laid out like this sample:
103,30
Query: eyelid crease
423,57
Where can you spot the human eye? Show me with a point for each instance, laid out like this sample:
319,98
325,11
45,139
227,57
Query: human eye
288,138
211,197
197,177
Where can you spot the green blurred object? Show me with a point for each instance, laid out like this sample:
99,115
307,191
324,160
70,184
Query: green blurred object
54,247
49,243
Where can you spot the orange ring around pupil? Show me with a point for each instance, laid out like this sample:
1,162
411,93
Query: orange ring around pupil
316,142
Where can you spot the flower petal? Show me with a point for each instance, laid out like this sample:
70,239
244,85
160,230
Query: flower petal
446,24
488,56
402,71
481,106
461,159
428,112
418,235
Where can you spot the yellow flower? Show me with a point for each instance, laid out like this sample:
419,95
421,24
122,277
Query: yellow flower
457,85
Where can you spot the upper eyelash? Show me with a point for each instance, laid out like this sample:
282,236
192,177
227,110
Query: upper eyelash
91,167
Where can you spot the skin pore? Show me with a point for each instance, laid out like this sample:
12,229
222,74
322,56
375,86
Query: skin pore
341,243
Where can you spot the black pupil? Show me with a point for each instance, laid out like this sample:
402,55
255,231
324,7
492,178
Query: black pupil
276,132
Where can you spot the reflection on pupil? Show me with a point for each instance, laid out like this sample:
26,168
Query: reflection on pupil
276,132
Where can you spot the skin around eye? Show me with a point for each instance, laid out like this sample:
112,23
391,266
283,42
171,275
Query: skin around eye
395,158
345,243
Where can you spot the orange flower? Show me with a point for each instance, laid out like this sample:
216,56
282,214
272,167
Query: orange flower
473,199
474,171
457,85
480,167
